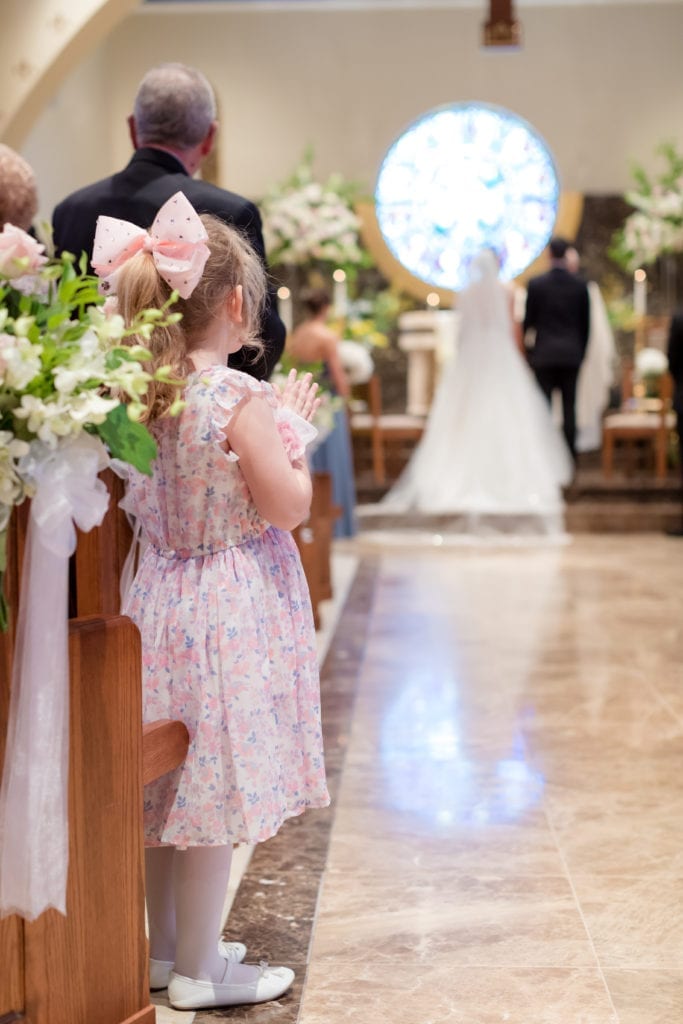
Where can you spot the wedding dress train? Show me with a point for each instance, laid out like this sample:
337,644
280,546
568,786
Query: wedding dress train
490,452
596,375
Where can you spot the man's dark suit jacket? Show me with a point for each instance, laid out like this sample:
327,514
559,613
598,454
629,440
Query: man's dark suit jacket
558,309
676,360
136,193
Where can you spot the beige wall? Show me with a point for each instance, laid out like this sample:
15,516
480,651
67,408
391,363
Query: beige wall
71,143
602,83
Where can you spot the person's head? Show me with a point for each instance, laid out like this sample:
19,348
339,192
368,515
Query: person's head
18,191
557,248
316,301
572,259
175,109
484,266
233,279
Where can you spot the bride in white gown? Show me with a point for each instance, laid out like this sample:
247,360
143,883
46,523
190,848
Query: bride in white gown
490,451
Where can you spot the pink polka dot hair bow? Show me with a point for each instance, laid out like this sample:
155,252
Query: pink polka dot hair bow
176,240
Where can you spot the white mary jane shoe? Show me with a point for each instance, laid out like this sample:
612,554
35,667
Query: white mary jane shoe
160,970
159,973
265,984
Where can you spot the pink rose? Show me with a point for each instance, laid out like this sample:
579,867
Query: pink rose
20,254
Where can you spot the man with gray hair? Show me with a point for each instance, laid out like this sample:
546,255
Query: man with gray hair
173,129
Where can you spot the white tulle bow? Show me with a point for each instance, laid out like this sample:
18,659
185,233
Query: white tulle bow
34,831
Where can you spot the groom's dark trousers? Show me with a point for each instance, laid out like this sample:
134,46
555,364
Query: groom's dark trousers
558,314
555,378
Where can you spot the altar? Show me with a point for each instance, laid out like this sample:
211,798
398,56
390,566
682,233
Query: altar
429,339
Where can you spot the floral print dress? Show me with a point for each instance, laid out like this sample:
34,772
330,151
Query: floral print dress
228,641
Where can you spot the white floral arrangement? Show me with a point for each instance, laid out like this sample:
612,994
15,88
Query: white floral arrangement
305,221
650,363
655,228
72,383
66,370
358,364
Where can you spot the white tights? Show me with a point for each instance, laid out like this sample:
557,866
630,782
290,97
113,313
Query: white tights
185,896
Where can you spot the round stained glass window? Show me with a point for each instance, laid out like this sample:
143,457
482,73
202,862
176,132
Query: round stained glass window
465,177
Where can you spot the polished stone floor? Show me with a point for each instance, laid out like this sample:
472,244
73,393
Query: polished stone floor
504,731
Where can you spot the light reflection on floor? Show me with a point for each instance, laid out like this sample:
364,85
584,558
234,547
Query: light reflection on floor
430,775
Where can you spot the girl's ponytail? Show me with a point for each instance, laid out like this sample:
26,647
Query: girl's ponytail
140,287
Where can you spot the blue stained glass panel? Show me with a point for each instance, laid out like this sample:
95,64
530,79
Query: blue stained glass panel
461,178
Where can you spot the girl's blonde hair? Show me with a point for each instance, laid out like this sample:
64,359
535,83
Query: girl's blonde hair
231,262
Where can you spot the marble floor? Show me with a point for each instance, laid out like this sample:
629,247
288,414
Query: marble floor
504,735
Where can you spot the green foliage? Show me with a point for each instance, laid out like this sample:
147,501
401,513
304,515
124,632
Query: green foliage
128,440
655,227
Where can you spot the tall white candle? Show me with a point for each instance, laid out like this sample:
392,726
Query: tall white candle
284,305
341,299
640,293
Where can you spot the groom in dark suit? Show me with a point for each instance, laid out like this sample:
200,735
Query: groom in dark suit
172,128
558,312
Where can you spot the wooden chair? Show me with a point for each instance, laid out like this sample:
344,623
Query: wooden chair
653,332
650,421
381,427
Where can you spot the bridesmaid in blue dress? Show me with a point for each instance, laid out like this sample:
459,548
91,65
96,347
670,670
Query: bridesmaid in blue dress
314,342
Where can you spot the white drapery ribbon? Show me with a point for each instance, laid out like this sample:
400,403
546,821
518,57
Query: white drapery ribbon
34,824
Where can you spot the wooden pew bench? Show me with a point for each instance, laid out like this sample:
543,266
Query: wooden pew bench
91,967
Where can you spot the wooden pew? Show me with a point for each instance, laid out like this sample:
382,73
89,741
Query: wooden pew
314,540
12,985
91,967
92,964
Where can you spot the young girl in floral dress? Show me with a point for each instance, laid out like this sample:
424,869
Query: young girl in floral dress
220,597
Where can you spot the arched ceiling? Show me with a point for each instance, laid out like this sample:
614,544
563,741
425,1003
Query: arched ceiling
42,40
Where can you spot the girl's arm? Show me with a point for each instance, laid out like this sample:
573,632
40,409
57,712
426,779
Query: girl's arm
280,489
